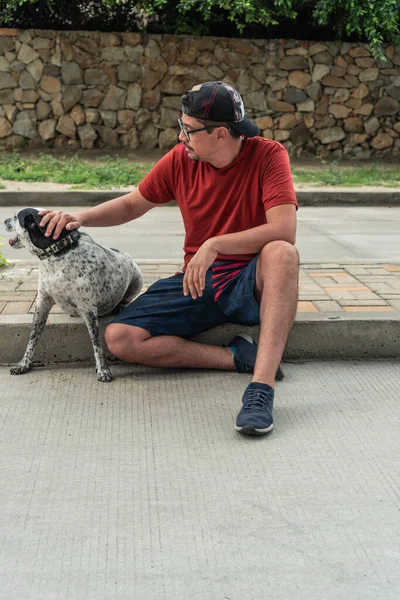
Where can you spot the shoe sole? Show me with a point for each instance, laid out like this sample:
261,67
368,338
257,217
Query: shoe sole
246,336
279,374
253,431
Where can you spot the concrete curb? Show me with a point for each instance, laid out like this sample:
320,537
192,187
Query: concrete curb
314,336
346,197
309,197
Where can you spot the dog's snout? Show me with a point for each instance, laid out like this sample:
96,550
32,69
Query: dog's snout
9,224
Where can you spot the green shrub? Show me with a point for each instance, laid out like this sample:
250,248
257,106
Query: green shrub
374,21
3,260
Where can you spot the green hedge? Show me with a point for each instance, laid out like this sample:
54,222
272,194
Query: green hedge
374,21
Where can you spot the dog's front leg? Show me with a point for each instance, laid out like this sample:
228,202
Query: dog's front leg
43,307
92,323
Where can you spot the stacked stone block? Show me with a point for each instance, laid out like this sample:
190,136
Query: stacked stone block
80,89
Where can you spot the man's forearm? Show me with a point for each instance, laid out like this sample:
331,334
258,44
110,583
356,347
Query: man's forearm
252,240
111,213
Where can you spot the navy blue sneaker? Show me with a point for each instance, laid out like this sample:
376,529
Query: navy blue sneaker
246,354
255,418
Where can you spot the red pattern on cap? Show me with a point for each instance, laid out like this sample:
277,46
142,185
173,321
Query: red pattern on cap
207,104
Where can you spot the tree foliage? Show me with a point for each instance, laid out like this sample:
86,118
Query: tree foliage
374,21
92,15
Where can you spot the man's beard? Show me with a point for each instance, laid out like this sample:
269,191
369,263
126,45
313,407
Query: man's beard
193,155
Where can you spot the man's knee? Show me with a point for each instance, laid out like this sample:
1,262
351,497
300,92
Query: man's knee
119,338
280,258
279,252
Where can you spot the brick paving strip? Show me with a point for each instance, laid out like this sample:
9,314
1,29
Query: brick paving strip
324,288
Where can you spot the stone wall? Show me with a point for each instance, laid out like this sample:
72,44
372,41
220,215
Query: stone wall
114,90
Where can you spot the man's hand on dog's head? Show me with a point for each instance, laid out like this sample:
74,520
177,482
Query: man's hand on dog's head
56,221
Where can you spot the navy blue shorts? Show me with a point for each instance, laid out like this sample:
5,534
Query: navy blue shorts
164,310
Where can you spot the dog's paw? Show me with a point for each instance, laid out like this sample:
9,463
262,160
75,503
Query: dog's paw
21,368
104,376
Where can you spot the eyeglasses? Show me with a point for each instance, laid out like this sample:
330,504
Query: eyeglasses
189,133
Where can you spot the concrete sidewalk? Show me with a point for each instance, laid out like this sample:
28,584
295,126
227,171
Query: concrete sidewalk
141,489
344,310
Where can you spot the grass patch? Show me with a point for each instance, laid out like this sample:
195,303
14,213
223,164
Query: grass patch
108,172
336,175
2,187
86,186
103,173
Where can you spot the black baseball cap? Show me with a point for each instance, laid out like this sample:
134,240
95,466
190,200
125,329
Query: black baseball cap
218,101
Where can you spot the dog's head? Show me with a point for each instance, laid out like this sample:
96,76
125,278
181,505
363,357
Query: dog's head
26,225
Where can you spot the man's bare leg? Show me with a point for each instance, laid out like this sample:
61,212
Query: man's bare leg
135,345
277,292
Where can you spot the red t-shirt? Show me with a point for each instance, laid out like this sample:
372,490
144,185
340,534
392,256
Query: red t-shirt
218,201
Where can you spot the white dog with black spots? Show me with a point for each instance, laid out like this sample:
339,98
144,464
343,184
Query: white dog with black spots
79,275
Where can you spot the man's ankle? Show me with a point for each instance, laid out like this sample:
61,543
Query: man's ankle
232,354
268,380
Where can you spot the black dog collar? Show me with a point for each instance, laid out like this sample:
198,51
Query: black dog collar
68,242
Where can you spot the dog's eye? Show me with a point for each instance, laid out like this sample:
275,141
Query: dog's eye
29,222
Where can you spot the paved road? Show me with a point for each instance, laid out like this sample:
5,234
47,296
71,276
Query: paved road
325,234
142,490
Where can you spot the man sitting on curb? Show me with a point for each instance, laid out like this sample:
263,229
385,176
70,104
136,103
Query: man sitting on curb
238,204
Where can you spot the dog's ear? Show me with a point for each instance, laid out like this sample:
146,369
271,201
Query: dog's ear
31,224
24,213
